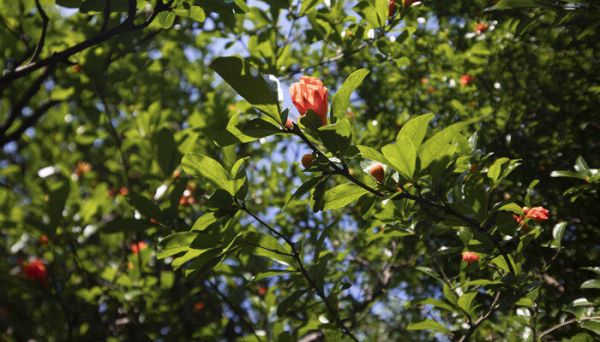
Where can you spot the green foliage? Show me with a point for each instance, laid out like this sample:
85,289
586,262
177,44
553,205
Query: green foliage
151,187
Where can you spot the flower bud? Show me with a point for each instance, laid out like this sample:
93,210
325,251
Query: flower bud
465,80
377,172
391,8
44,240
289,124
470,257
136,247
35,270
307,160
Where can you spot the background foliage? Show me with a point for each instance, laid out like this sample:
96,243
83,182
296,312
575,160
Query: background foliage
155,179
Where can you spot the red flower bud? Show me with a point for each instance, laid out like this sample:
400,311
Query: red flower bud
465,80
310,94
392,8
289,124
35,270
470,257
307,160
198,306
377,172
537,213
481,28
123,191
136,247
262,291
44,240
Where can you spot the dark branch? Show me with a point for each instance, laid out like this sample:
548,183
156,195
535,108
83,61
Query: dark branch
28,122
18,107
40,44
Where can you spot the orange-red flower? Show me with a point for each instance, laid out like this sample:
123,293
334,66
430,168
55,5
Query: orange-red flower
82,168
470,257
35,270
377,172
481,28
537,213
518,219
465,80
310,94
136,247
123,191
262,291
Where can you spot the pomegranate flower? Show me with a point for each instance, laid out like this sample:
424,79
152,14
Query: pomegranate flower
310,94
537,213
35,270
470,257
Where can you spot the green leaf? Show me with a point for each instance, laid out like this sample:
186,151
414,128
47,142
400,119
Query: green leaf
58,194
69,3
512,4
307,5
258,128
337,137
197,14
341,100
342,195
435,147
165,19
591,284
593,326
145,206
205,221
204,167
437,303
303,189
512,208
402,156
415,129
269,247
126,225
592,269
371,153
495,169
465,301
287,303
167,154
175,244
249,83
428,324
557,234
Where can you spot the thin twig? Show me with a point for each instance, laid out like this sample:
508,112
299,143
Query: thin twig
235,309
40,44
304,272
565,323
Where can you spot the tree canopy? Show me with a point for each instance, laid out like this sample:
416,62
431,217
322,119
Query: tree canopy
299,170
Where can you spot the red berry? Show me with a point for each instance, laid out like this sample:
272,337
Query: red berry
136,247
44,240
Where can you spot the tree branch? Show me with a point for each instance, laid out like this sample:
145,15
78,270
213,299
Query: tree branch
343,171
18,107
304,272
40,44
125,26
565,323
28,122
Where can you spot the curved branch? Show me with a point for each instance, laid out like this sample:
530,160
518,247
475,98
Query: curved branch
40,44
567,322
